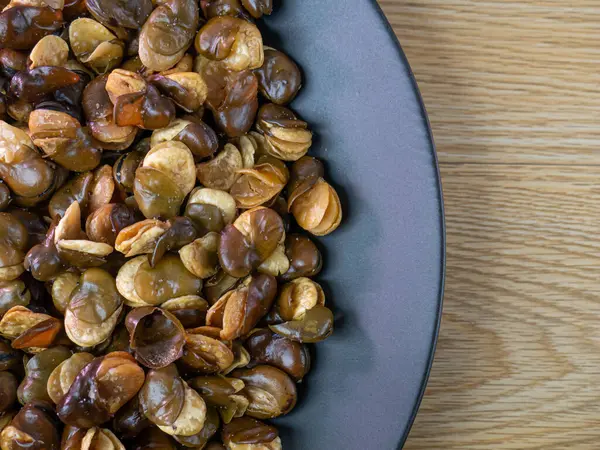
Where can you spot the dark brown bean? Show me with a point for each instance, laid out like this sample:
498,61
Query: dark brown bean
266,347
279,78
94,398
258,8
119,13
35,84
21,27
156,336
305,258
130,420
35,423
8,390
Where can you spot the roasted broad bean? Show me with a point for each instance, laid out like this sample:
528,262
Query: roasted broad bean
92,439
197,136
100,390
238,311
270,391
13,293
99,112
62,377
119,13
258,8
223,393
313,202
29,177
206,354
26,328
208,431
279,78
304,256
210,209
285,136
253,238
22,26
95,45
34,427
156,336
190,310
168,33
130,420
106,222
266,347
37,371
93,309
151,294
62,138
213,8
246,433
235,42
169,403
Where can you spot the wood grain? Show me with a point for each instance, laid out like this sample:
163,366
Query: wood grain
518,361
513,92
506,80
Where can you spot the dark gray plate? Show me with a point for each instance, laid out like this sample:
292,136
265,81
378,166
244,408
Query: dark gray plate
385,265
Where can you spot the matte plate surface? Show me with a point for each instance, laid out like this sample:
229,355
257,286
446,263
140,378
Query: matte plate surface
384,266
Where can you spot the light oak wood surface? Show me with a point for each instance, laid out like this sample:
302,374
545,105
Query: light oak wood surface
513,93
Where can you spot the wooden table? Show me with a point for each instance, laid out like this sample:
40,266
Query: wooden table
513,92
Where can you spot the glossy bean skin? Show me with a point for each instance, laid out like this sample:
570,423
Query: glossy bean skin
9,357
258,8
21,27
305,258
35,84
11,62
126,14
130,420
74,9
279,78
247,430
213,8
157,336
266,382
8,390
38,370
239,254
83,409
35,423
156,185
167,33
266,347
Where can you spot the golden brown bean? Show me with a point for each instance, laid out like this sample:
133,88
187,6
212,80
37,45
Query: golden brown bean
246,433
271,391
168,33
250,241
93,309
94,45
235,42
313,202
238,311
226,394
171,404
